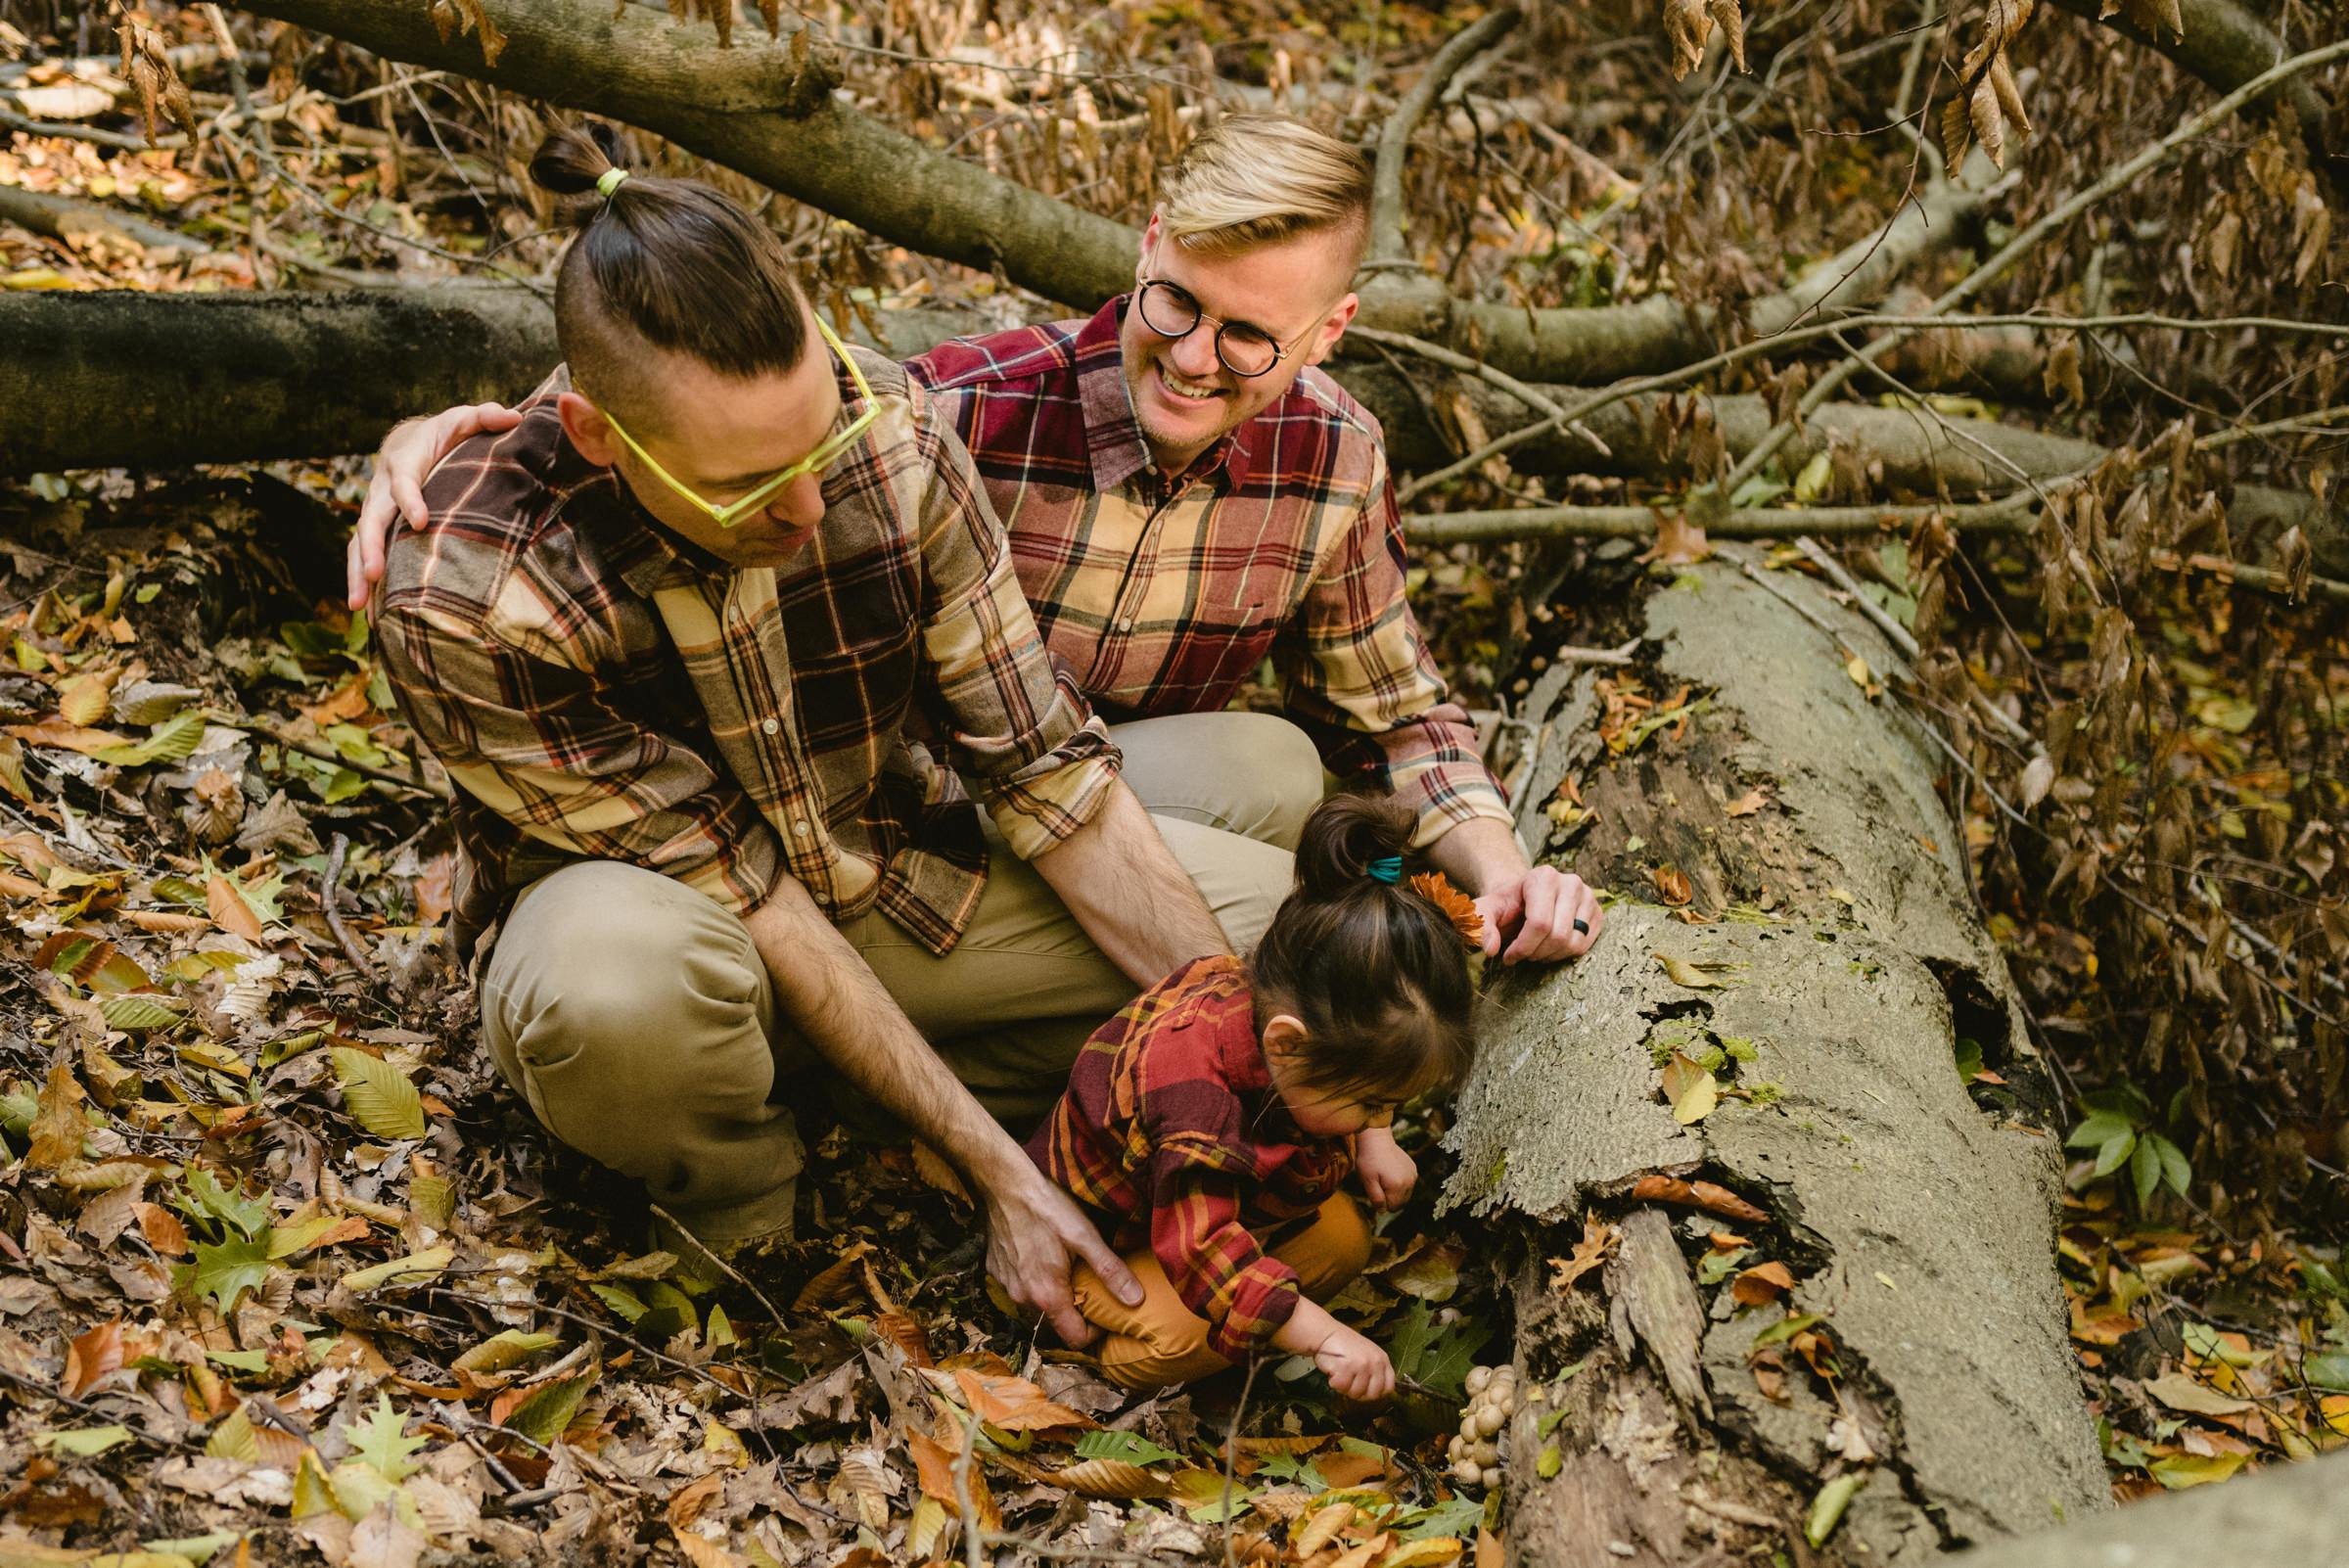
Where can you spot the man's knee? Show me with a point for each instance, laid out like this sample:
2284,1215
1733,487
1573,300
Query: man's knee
1279,776
611,971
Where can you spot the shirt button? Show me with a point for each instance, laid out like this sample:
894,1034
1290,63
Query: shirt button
768,726
1126,624
802,829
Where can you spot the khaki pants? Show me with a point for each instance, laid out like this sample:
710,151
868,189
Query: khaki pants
1162,1341
635,1018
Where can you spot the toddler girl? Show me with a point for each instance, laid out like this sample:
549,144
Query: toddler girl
1210,1125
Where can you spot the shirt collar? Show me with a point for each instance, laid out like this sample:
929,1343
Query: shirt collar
1113,437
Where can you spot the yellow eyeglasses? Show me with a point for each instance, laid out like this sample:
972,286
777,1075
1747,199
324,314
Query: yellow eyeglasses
826,453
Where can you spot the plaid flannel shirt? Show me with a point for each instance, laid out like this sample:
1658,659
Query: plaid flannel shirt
598,689
1283,541
1170,1129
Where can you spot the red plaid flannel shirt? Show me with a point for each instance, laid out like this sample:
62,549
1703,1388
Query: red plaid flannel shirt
598,689
1283,541
1172,1130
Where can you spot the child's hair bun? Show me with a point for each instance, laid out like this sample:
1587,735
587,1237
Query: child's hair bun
1344,835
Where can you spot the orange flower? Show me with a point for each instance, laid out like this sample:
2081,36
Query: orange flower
1437,889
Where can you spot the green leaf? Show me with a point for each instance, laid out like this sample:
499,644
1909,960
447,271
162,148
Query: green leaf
1549,1462
417,1264
1969,1059
2097,1130
1784,1329
377,1095
2176,1173
234,1209
245,1361
1454,1516
226,1270
85,1443
1129,1447
2115,1154
1437,1357
1826,1509
139,1012
2178,1471
2328,1370
234,1439
2145,1169
380,1441
624,1303
503,1351
544,1415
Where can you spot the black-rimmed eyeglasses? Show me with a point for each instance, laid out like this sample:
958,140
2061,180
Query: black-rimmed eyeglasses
1244,348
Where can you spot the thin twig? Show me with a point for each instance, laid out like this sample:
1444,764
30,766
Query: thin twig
1533,397
1394,139
973,1547
1982,277
774,1314
1231,1455
337,849
417,783
1746,522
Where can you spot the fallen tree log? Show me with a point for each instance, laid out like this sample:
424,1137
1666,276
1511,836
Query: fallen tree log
2285,1513
112,378
1837,964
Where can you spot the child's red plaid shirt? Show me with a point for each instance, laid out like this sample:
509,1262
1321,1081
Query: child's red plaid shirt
1170,1128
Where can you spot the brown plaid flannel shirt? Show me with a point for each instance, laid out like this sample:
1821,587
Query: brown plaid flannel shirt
1282,543
598,689
1170,1129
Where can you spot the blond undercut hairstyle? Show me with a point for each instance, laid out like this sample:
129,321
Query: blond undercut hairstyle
1258,179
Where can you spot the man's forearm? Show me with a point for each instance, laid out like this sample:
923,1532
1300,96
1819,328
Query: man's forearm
1477,854
834,999
1130,893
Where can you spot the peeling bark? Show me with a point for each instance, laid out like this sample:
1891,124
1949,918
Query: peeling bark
1919,1225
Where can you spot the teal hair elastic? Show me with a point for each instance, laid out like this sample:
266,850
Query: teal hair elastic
1387,868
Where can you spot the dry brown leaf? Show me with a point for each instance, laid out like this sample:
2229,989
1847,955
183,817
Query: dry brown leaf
934,1171
1370,1552
1598,1240
93,1358
1686,27
1760,1285
229,910
1706,1196
833,1282
1671,884
58,1127
904,1330
162,1230
1321,1528
1112,1480
1678,542
1013,1404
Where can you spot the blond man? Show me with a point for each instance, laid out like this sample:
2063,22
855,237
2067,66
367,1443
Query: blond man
1187,495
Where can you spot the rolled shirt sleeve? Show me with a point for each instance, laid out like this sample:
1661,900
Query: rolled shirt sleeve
1217,1265
1021,734
1356,672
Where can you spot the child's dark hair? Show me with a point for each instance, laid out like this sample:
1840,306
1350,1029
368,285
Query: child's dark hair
668,262
1375,970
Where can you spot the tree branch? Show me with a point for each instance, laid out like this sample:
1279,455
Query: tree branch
1387,243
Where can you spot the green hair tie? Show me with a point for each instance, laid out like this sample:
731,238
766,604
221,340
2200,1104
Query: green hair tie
609,181
1387,868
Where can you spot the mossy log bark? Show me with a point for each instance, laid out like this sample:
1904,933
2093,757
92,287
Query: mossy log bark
1842,963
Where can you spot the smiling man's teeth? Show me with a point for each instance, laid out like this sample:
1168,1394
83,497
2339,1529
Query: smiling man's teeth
1192,390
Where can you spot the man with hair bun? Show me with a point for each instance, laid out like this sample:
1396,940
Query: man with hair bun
670,633
1188,496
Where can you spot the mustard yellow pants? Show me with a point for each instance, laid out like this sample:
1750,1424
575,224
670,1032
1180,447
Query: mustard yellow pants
635,1018
1162,1341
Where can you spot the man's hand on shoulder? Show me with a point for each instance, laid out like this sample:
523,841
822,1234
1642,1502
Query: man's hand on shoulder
408,457
1036,1235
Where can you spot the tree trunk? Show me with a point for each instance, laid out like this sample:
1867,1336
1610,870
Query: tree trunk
1842,954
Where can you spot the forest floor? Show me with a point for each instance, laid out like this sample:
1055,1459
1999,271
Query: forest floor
283,1264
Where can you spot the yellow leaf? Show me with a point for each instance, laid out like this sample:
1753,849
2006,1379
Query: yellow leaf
83,702
1691,1091
1694,975
1858,670
417,1264
1426,1552
58,1127
1320,1530
1112,1480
